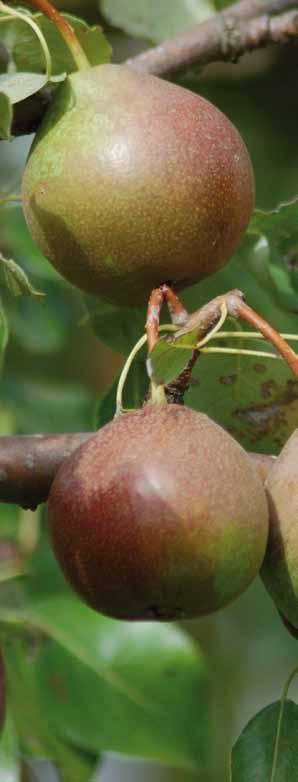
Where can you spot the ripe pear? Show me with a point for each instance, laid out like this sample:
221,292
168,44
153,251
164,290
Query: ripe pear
161,515
133,182
2,693
280,567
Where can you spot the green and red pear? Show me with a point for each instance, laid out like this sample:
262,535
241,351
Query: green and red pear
161,515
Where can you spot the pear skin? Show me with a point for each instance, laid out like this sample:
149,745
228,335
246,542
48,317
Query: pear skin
161,515
280,567
133,182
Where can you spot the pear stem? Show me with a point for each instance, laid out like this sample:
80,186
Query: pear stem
66,31
153,312
178,313
179,316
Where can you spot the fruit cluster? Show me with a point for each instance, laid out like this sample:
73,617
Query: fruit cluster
133,184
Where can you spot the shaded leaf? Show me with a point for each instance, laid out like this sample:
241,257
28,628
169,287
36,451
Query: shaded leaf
15,233
136,388
256,399
6,114
279,228
119,327
252,757
155,20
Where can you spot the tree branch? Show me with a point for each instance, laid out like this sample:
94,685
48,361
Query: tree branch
241,28
29,464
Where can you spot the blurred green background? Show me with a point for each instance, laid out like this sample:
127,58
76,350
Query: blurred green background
57,370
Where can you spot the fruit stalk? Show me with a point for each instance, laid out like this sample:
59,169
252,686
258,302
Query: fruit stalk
178,313
65,30
155,303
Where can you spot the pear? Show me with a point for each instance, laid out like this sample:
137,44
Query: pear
280,567
161,515
133,182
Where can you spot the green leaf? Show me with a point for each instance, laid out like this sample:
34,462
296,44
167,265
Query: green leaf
30,714
155,20
6,115
15,279
19,86
252,757
256,399
167,360
141,687
279,229
16,235
9,764
118,327
26,52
